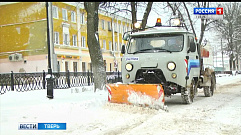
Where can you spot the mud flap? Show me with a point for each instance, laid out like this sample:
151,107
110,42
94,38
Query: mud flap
151,95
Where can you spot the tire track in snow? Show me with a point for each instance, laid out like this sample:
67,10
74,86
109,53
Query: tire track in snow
146,114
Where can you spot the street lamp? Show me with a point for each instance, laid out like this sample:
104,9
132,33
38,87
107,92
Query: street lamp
49,76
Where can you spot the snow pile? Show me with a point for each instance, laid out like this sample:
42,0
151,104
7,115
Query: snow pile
136,98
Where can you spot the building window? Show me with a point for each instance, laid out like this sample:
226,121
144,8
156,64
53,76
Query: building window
75,66
105,64
83,41
120,46
66,39
90,67
110,67
115,27
103,24
73,16
109,26
116,46
56,38
55,12
83,67
66,66
74,40
119,28
110,45
64,14
104,44
58,66
82,18
65,35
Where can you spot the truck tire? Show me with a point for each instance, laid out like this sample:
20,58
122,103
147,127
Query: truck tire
208,91
188,96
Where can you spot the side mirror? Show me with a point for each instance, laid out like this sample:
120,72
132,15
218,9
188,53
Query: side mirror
192,47
126,36
123,49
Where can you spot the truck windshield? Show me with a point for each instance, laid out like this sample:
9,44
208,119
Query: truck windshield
157,43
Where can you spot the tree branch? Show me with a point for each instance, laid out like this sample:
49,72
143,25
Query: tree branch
189,18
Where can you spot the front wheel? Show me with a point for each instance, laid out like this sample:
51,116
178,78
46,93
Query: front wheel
188,93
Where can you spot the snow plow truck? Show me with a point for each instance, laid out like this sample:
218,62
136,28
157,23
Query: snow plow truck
161,61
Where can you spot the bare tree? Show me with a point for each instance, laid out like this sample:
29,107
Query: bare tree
129,8
229,27
93,44
205,23
133,12
146,14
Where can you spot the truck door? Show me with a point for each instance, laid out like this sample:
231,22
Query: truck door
193,62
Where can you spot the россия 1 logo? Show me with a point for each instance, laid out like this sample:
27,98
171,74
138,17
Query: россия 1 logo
209,13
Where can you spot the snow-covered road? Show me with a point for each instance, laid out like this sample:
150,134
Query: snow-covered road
88,113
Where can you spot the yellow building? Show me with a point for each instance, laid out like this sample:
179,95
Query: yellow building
23,35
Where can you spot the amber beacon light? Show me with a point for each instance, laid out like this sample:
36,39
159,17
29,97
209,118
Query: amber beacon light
158,22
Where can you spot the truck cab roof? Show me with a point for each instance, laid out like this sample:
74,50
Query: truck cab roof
161,30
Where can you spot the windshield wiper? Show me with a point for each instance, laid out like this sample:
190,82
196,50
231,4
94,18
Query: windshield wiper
162,49
143,50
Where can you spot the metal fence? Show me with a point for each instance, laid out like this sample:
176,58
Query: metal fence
36,81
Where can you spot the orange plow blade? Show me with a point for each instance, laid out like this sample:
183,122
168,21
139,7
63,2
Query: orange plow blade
151,95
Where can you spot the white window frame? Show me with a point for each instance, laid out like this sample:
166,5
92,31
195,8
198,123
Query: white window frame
74,38
55,12
103,24
110,45
104,44
109,25
73,16
66,32
82,18
65,14
56,38
65,41
83,42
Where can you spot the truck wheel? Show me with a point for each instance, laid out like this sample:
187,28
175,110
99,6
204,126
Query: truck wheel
208,91
188,93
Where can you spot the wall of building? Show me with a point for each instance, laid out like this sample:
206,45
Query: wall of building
22,31
24,28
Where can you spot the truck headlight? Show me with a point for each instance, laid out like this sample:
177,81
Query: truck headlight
171,66
129,67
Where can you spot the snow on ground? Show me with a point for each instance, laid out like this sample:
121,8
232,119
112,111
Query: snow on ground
84,112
